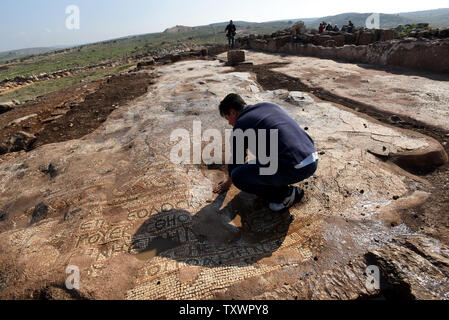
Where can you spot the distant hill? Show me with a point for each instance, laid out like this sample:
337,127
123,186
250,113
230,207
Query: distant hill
22,53
243,27
436,18
177,29
359,19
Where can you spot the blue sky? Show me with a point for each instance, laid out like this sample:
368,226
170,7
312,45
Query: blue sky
41,23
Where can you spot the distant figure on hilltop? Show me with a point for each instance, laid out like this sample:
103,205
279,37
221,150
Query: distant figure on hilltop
336,29
230,33
321,28
329,27
350,27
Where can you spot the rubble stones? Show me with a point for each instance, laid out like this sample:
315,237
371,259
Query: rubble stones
298,28
51,171
149,62
18,121
175,58
298,98
444,33
6,106
52,118
422,25
39,213
18,141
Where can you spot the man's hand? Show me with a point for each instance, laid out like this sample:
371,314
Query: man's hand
223,186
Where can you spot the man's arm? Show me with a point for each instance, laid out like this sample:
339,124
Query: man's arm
224,186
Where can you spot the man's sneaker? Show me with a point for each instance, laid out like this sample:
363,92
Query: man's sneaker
287,203
299,194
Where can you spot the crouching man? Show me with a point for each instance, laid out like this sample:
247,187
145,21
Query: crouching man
296,156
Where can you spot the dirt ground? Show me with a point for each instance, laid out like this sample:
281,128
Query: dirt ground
73,113
430,218
77,111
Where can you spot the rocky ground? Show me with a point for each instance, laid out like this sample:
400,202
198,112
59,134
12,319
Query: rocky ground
279,71
419,95
107,199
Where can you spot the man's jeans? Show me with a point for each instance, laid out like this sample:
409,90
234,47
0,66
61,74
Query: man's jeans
273,188
231,42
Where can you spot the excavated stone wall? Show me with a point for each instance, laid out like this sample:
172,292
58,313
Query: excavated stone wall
419,54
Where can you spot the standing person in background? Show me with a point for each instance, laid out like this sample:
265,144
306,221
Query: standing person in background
230,34
321,28
350,26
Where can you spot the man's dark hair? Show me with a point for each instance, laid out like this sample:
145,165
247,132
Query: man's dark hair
232,101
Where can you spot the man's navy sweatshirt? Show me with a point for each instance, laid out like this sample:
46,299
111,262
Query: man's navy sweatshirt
294,144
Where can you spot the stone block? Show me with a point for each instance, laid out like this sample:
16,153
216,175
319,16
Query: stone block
236,56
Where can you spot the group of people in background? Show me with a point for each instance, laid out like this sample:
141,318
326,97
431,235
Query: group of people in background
231,30
328,27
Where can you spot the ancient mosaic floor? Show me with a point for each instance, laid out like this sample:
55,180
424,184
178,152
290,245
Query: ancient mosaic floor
140,227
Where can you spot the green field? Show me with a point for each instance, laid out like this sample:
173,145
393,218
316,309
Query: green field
117,49
23,53
90,55
43,87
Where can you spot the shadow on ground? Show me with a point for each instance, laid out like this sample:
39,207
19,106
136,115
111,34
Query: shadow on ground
237,233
